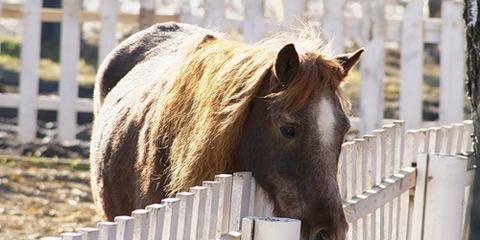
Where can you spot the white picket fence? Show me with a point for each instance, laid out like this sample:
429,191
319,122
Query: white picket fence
385,197
372,29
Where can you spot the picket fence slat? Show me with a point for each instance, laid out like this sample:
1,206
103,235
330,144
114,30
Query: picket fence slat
198,215
254,25
125,227
171,218
71,236
185,214
89,233
69,57
372,67
240,196
107,230
140,224
156,221
224,201
411,62
467,139
109,11
211,212
452,71
30,57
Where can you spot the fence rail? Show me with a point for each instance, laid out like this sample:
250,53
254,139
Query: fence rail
384,196
411,31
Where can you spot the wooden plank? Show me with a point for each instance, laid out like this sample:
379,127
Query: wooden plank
293,13
147,13
254,21
467,136
69,58
344,170
372,66
15,11
198,214
447,223
380,195
156,221
390,170
71,236
452,71
125,225
185,214
458,142
240,199
333,23
107,230
89,233
211,210
248,228
140,224
30,55
372,170
214,14
381,156
224,203
275,228
171,218
108,10
411,65
44,102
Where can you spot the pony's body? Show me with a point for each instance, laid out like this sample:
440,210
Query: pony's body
176,104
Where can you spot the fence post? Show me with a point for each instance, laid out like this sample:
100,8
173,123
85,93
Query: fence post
30,55
439,197
452,63
264,228
372,66
147,13
254,20
214,14
293,11
333,23
69,56
411,66
109,11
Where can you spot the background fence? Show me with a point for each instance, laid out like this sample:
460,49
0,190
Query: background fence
384,197
371,27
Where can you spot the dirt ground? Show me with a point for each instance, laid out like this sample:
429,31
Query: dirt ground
39,198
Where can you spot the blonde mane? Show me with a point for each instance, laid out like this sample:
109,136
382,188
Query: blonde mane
206,106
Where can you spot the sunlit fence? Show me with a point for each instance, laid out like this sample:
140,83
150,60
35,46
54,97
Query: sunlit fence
395,185
372,29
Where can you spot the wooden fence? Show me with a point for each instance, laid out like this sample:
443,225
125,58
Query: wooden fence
385,197
372,29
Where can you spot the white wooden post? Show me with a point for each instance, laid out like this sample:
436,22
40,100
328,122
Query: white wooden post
240,199
147,13
171,218
198,215
411,66
225,199
140,226
30,56
185,215
71,236
69,56
443,180
211,210
254,20
155,223
214,14
260,228
89,233
109,11
293,12
372,66
124,227
107,230
333,23
452,63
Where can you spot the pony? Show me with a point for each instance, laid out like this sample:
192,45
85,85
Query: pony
176,104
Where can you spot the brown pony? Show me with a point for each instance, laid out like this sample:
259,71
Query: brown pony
176,104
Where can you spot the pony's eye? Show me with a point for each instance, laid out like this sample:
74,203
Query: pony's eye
288,132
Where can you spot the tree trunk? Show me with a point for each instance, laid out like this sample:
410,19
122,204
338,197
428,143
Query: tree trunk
472,21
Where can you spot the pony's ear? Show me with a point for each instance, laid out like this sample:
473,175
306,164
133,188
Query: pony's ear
286,64
349,60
